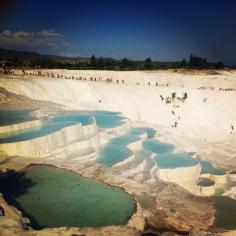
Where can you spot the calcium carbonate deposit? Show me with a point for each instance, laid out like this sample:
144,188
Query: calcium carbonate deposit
157,135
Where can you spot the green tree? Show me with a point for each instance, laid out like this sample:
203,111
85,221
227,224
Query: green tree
183,63
124,63
148,63
100,63
219,65
93,61
198,62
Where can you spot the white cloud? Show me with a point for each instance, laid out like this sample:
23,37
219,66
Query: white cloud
45,38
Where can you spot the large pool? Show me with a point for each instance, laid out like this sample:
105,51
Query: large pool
52,197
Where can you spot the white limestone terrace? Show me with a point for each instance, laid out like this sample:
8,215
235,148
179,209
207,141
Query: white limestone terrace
77,139
193,123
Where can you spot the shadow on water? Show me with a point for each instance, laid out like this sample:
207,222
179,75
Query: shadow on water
13,185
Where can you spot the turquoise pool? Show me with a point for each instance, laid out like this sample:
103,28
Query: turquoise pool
116,150
103,119
107,119
174,160
48,127
140,130
208,168
157,146
52,197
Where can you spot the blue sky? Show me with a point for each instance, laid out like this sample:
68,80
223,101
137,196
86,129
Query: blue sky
162,30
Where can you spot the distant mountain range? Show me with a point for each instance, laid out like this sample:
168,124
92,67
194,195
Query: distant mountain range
6,53
25,55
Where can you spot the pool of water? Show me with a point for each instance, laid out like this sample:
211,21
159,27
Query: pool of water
52,197
204,182
45,129
166,159
225,216
140,130
207,167
9,117
157,146
116,150
174,160
104,119
107,119
55,123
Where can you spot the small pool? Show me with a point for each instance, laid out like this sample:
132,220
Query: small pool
174,160
104,119
157,146
9,117
107,119
116,150
46,128
225,216
52,197
205,182
140,130
208,168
